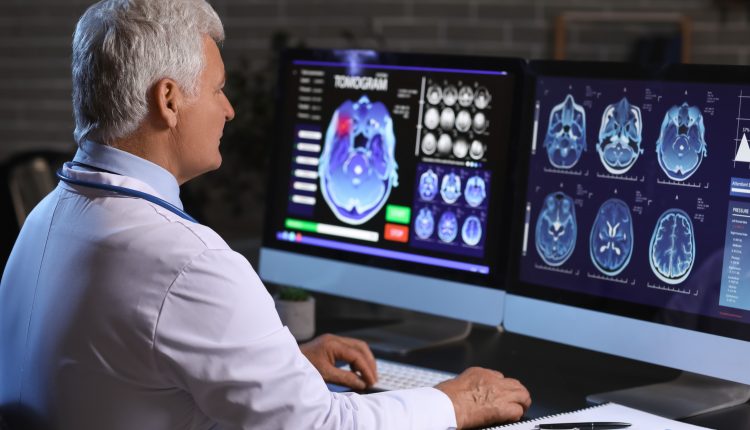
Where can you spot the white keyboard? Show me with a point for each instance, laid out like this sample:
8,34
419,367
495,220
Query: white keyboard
397,376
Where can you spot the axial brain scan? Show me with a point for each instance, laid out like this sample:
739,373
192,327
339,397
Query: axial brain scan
611,241
471,232
424,224
358,168
476,191
434,94
620,137
566,134
672,248
429,144
428,185
447,226
556,229
465,96
447,118
681,145
450,188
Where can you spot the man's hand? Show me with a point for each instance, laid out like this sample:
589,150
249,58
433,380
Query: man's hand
482,397
325,350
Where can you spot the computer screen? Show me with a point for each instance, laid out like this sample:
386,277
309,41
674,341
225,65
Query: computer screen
632,226
389,182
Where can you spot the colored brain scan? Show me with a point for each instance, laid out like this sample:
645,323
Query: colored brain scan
465,96
447,118
450,188
450,95
460,148
448,227
429,144
681,146
476,150
424,223
566,134
428,185
482,98
471,232
556,229
620,137
358,168
431,118
672,248
434,94
445,144
476,191
463,121
611,240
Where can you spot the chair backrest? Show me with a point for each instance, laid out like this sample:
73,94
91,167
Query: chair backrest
29,181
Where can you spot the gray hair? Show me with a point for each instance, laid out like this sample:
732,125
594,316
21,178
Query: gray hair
121,48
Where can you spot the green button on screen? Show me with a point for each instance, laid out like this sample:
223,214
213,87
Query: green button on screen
398,214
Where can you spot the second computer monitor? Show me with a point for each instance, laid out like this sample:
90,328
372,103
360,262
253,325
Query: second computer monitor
389,179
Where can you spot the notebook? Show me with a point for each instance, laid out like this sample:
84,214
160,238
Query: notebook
606,412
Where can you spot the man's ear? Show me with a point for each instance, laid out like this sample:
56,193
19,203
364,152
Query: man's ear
168,99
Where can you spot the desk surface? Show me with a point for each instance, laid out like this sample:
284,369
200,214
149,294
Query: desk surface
559,377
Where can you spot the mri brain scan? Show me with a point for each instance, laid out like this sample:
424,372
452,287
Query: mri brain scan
463,121
672,248
482,98
556,229
566,134
424,224
475,192
681,146
447,118
444,144
620,137
434,94
431,118
611,241
429,144
448,227
465,96
460,148
428,185
471,232
450,95
476,150
480,122
358,168
450,188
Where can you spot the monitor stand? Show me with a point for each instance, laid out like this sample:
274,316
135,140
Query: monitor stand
688,395
419,331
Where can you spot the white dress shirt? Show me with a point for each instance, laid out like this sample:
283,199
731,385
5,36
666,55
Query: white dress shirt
119,314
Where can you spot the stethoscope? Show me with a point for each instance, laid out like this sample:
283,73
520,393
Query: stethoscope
124,191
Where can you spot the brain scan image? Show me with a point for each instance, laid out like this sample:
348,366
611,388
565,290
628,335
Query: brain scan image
465,96
460,148
429,144
620,137
556,229
448,227
447,118
476,150
450,95
357,168
463,121
611,240
471,232
431,118
672,248
482,98
681,146
476,191
450,188
434,94
428,185
480,123
424,223
445,144
566,134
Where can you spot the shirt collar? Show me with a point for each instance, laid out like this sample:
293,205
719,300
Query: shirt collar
124,163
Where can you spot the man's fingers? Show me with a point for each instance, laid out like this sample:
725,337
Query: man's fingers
346,378
366,353
358,362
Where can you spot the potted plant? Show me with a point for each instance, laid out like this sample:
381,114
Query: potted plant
296,308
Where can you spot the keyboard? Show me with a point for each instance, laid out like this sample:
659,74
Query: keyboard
398,376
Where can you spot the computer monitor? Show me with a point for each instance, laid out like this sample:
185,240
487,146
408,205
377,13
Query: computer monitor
632,225
388,179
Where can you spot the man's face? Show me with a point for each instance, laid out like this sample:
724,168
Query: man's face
201,123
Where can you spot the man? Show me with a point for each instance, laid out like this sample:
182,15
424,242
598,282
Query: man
117,311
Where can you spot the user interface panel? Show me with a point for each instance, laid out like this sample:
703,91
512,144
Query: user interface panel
639,190
394,160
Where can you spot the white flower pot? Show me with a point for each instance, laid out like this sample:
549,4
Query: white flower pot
299,317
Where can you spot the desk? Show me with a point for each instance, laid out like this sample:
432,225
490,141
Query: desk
559,377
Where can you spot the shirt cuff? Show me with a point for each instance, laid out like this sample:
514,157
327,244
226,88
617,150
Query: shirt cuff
440,413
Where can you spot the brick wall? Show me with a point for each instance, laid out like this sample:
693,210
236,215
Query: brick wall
35,39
